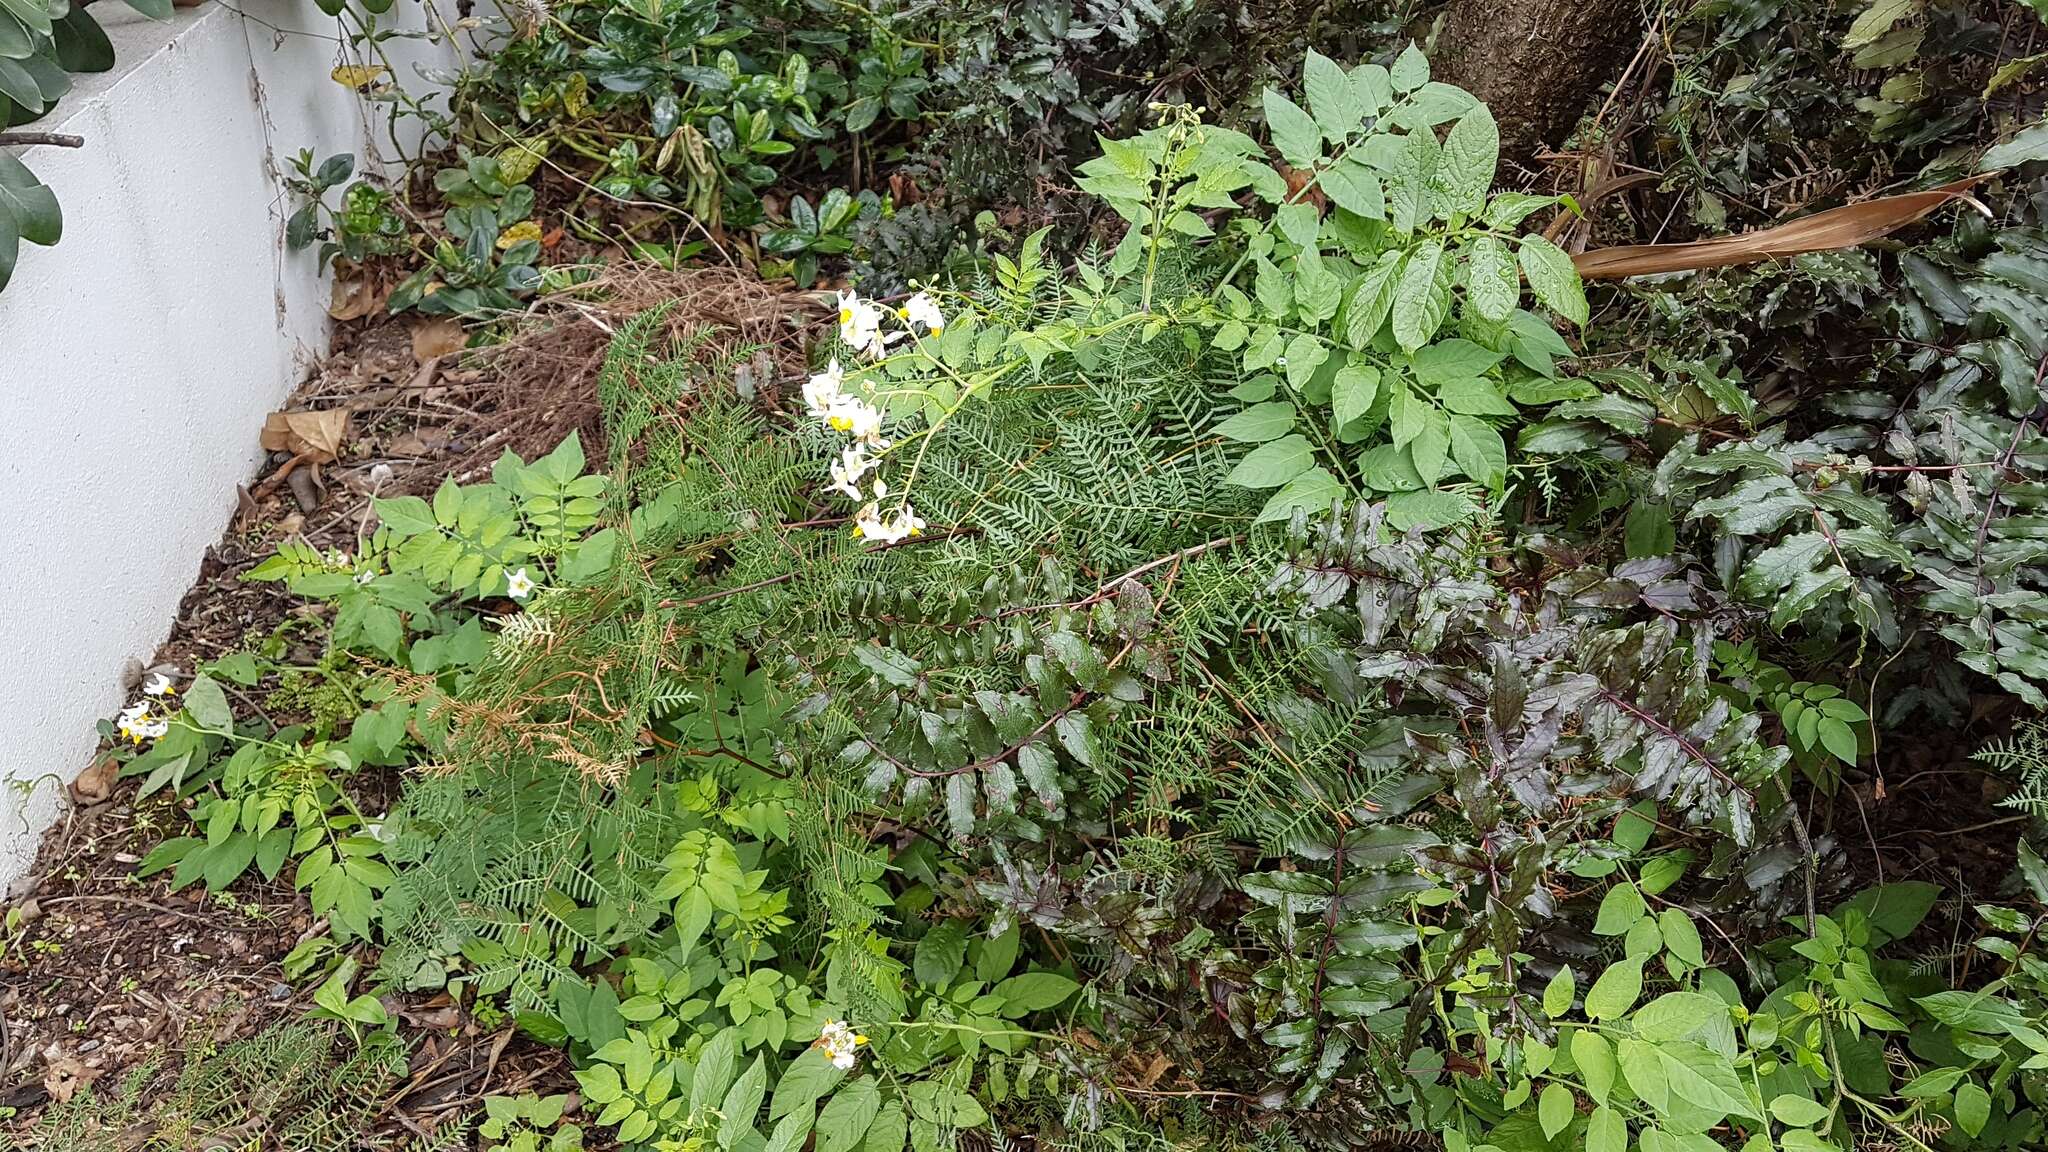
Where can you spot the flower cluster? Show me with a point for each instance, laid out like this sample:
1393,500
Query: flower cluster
137,723
860,321
840,1043
827,399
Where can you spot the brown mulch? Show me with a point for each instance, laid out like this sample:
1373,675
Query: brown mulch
103,973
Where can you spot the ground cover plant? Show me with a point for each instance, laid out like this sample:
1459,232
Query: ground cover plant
1280,665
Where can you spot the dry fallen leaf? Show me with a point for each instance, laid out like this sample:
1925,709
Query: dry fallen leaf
354,297
64,1076
95,783
423,441
320,434
440,336
1843,227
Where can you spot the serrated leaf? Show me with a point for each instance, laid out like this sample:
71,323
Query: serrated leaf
1475,397
1426,510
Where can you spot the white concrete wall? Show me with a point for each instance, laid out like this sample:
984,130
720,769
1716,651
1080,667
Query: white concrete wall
139,357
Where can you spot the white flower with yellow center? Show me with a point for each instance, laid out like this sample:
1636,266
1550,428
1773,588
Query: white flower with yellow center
135,724
840,1044
519,585
869,523
860,325
853,463
907,523
860,419
922,309
822,390
158,684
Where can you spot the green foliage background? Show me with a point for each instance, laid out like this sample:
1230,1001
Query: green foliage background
1337,695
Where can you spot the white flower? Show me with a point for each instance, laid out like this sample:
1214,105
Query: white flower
869,524
136,724
519,585
908,523
158,684
860,325
922,309
365,577
840,1044
821,391
859,418
853,464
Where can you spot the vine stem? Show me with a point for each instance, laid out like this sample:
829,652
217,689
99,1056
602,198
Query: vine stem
1691,749
53,139
2019,432
1315,999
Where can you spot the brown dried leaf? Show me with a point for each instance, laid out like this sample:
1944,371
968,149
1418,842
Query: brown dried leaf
1844,227
95,783
441,336
319,433
64,1076
354,297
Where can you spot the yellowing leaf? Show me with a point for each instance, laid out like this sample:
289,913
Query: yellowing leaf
521,159
357,76
518,233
